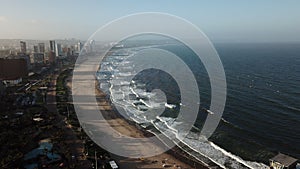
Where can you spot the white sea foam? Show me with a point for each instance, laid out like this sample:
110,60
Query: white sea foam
170,106
208,149
171,127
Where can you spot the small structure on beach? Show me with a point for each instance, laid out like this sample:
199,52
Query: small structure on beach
113,164
282,161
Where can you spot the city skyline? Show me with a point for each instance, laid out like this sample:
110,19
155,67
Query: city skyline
234,21
150,84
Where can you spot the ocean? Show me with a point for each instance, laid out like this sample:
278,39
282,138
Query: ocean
262,112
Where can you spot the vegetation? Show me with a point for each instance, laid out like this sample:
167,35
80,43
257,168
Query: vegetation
66,109
18,135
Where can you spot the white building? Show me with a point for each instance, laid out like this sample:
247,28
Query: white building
58,49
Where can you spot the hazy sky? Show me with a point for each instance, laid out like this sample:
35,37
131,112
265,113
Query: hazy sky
226,20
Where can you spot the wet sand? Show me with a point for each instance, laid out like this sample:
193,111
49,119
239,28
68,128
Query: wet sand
174,158
168,159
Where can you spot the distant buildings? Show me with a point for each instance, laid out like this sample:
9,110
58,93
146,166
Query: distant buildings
5,53
12,71
23,47
89,47
51,57
52,45
92,45
79,46
41,47
58,50
26,57
38,58
35,49
51,54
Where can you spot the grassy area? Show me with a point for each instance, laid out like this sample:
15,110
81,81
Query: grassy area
62,93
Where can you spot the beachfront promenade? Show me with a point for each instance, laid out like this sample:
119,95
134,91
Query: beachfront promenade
83,82
74,144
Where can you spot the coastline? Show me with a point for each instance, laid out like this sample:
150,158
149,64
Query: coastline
175,157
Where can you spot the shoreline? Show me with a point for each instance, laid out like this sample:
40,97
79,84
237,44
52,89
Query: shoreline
176,156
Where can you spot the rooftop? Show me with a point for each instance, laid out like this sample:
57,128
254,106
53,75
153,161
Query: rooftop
284,159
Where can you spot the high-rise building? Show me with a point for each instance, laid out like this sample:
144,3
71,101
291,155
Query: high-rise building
66,51
51,57
38,58
79,46
41,47
35,49
52,45
58,49
23,46
91,45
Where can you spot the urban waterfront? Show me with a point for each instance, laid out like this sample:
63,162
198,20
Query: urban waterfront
149,84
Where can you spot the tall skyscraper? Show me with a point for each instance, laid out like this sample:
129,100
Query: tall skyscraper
91,45
23,46
79,46
58,49
52,45
41,47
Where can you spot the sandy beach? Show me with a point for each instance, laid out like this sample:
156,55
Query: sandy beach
89,108
168,159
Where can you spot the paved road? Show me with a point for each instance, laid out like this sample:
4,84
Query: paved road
75,145
51,95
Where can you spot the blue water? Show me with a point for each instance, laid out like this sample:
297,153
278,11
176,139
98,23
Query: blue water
263,98
262,113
